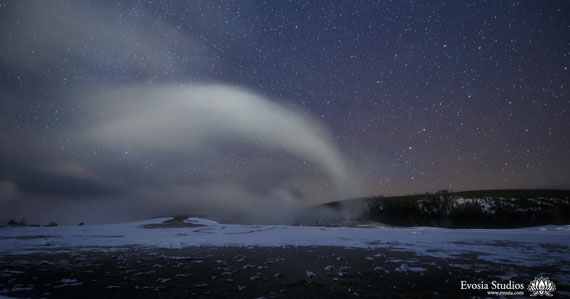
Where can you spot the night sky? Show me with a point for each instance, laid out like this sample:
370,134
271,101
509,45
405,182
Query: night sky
129,109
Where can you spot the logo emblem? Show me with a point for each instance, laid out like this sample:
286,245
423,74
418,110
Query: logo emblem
541,286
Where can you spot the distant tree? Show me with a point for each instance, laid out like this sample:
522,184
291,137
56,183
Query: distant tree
81,224
52,224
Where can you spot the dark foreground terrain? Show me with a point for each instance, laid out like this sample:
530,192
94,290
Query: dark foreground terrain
230,272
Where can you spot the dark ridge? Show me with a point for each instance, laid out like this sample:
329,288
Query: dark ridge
466,209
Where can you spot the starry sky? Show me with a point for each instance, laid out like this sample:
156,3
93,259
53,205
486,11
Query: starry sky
106,103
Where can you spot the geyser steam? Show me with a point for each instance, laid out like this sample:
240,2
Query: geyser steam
124,152
211,150
173,125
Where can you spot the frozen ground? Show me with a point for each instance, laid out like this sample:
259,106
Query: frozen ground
531,246
252,261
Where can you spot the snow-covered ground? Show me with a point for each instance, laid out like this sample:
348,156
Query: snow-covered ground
528,246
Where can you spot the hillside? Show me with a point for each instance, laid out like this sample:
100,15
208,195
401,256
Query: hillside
468,209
